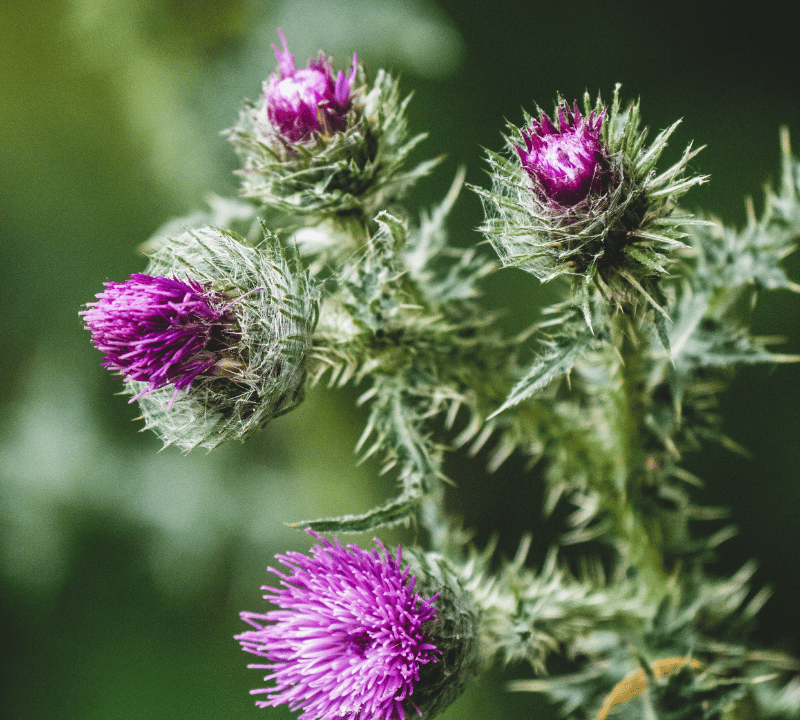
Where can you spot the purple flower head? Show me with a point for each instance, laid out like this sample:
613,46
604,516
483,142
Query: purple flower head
348,640
301,102
160,330
568,163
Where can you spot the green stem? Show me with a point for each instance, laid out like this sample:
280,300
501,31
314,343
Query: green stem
630,425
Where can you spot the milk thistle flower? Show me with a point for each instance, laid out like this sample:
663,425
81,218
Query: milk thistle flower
353,639
161,331
567,163
349,638
304,101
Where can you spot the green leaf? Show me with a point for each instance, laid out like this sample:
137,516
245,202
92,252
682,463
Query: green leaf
393,513
558,360
681,187
671,242
647,160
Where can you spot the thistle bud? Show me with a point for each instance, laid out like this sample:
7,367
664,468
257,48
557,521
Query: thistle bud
580,198
357,636
212,341
318,144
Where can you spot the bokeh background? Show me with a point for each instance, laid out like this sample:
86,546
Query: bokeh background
123,568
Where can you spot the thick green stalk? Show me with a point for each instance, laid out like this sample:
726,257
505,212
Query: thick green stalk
629,424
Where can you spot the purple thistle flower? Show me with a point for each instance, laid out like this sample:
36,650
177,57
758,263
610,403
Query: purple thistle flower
304,101
160,330
568,163
348,640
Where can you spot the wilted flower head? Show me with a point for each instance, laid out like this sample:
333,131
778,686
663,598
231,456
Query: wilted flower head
303,101
349,638
161,330
567,163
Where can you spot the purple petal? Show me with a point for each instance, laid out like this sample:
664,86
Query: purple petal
285,58
567,164
348,640
159,330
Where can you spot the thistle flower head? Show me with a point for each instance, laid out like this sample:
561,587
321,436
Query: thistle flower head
303,101
581,197
567,163
235,335
349,639
161,330
318,145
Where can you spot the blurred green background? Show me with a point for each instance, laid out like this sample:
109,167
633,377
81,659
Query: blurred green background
123,569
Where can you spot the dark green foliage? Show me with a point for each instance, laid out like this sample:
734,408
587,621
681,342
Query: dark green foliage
609,391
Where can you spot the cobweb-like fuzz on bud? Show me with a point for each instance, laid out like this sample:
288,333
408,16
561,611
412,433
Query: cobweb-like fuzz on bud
349,639
567,163
303,101
271,312
161,331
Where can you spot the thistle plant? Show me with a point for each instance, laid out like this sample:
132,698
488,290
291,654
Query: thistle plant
224,331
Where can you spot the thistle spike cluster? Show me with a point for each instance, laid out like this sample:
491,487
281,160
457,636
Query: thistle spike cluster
161,331
567,163
349,639
303,101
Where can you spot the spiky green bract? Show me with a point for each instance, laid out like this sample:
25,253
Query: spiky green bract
357,171
453,630
620,239
528,615
706,622
276,310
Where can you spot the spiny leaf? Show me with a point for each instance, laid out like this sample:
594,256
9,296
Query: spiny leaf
558,360
393,513
649,258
